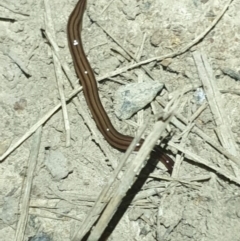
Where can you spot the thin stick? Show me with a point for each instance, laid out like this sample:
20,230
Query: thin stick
17,60
22,222
216,105
11,7
215,102
106,7
59,76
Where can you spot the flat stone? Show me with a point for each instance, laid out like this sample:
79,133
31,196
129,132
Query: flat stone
131,98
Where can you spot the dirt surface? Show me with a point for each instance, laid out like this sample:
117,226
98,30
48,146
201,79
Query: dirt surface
199,202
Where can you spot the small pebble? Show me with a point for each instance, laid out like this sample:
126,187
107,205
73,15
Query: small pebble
57,164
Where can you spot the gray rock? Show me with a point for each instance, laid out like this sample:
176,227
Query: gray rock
131,98
57,164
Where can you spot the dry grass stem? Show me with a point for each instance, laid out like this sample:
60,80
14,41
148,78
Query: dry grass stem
23,218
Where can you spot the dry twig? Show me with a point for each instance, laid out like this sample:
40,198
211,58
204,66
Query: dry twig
59,75
216,105
23,219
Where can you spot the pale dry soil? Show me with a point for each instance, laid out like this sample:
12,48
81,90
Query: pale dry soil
206,209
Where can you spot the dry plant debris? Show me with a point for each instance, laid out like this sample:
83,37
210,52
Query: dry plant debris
42,108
